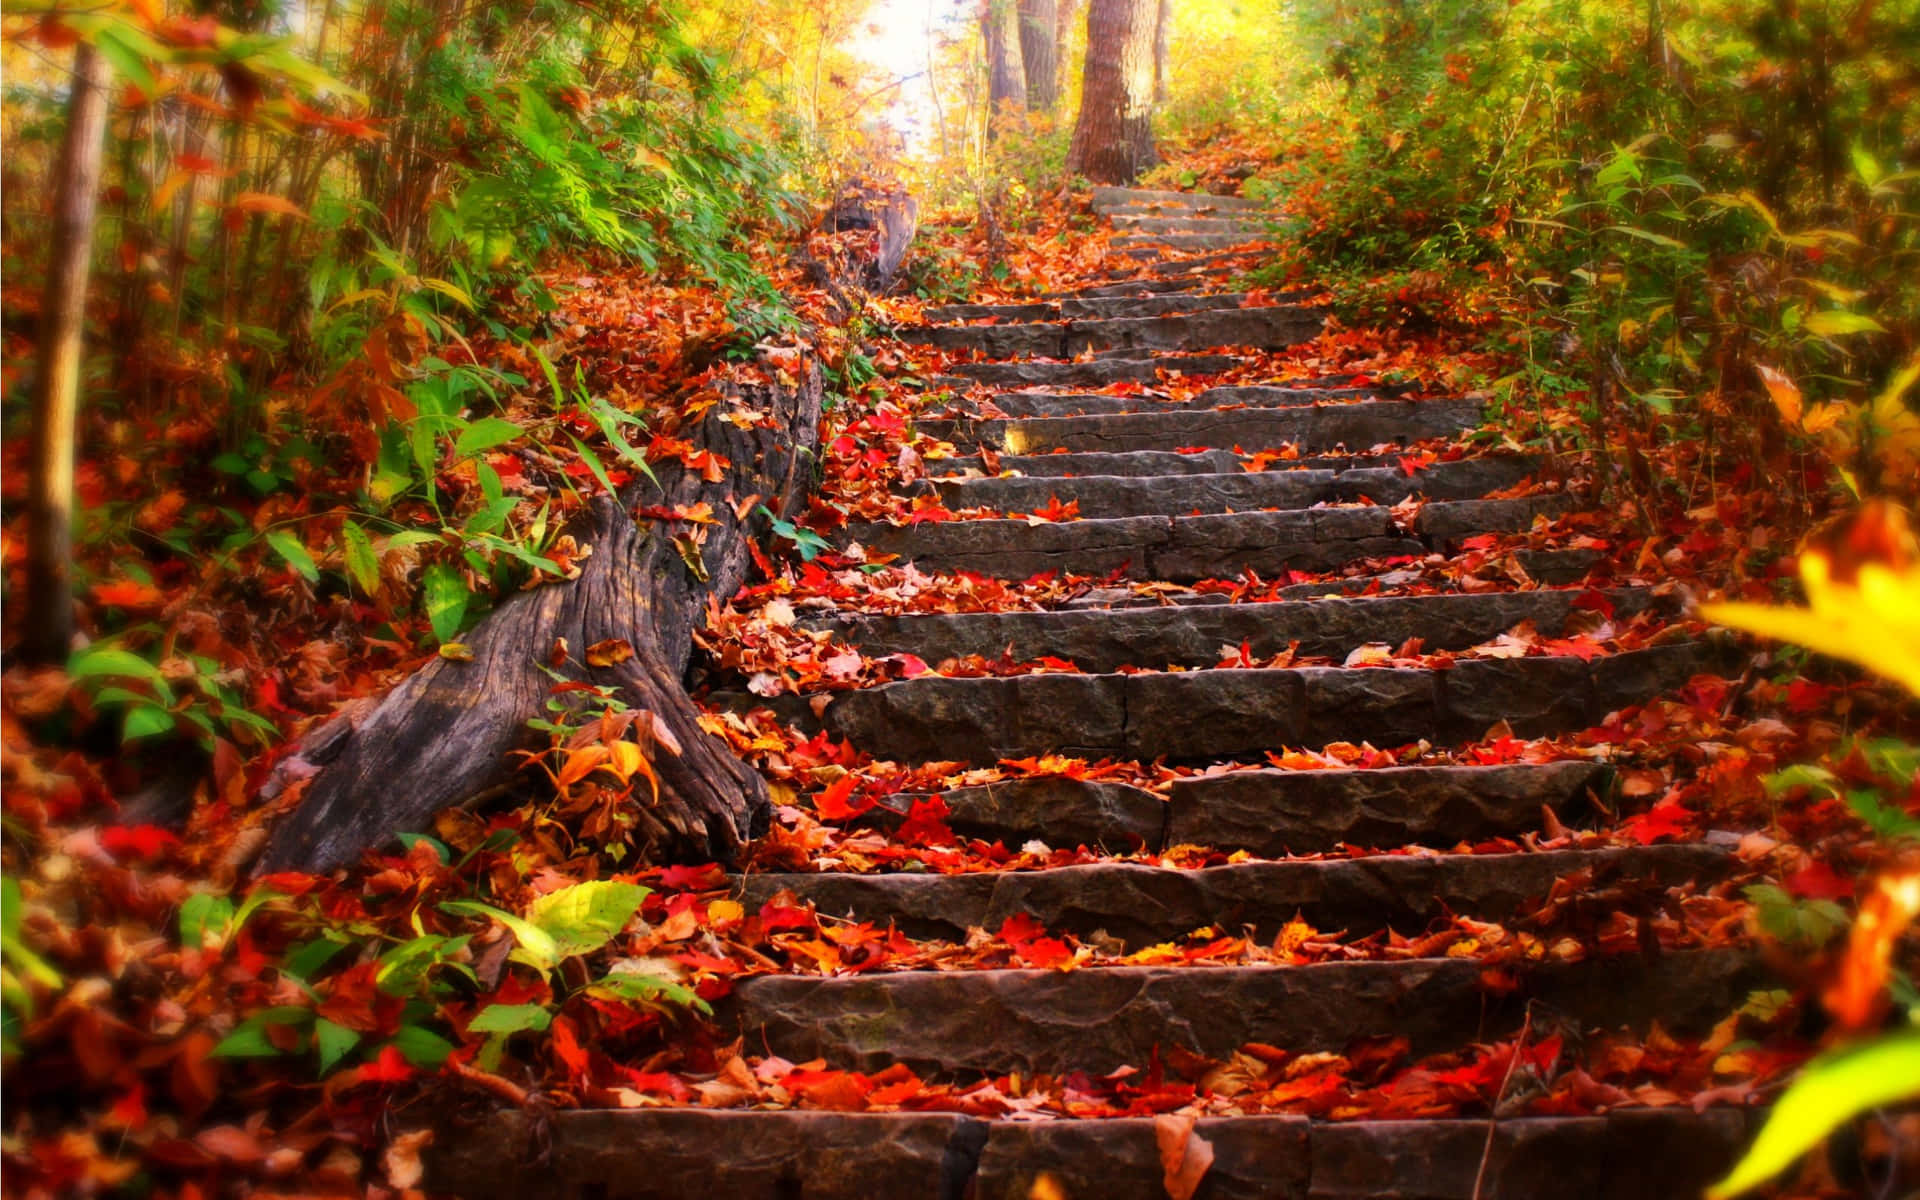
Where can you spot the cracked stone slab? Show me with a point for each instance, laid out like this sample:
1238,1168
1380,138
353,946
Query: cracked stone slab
673,1153
1143,906
1101,1018
1254,1158
1309,427
1305,812
1629,1154
1194,635
1226,713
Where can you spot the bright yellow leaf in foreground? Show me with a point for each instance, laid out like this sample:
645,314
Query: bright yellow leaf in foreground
1873,621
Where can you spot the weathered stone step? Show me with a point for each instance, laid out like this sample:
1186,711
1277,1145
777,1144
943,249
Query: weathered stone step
1134,464
1243,713
1107,199
1073,404
1194,635
1143,906
1100,1019
1355,425
1135,495
673,1153
1151,242
1072,308
1134,285
1094,373
1265,328
1169,222
1182,549
1176,549
1302,812
1273,813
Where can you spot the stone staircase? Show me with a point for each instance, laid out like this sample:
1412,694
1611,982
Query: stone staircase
1163,498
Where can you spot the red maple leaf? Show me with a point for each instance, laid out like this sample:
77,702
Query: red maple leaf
1669,818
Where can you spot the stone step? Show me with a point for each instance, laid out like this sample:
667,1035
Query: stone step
1106,199
1266,328
1269,812
1133,464
672,1153
1357,425
1100,496
1244,713
1100,1019
1194,635
1157,223
1184,549
1134,285
1076,404
1142,906
1074,308
1094,373
1185,241
1276,813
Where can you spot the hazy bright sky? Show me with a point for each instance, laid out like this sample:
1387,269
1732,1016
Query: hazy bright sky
900,45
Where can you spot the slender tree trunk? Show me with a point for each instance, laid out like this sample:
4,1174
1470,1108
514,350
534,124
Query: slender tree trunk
56,397
1162,35
1006,75
1113,138
1040,53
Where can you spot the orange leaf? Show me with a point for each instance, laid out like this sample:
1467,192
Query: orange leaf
1184,1154
262,202
609,652
1784,392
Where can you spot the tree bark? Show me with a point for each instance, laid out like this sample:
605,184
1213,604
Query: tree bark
1162,37
1040,53
48,629
1006,76
442,737
1113,137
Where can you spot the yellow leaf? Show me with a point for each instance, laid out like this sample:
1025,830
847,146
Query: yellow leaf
721,912
1874,621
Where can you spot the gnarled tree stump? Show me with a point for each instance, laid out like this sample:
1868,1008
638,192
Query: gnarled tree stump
443,736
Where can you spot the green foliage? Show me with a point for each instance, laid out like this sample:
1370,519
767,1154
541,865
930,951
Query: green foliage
1664,201
1829,1091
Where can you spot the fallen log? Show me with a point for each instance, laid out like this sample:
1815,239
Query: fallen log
443,737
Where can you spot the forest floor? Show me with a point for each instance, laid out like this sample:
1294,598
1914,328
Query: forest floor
180,1027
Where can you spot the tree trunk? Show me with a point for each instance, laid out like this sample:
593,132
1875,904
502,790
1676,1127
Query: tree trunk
1006,76
443,736
1040,53
1113,138
1162,36
48,630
